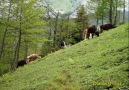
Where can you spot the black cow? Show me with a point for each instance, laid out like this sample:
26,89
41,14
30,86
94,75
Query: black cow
91,30
62,44
21,63
106,27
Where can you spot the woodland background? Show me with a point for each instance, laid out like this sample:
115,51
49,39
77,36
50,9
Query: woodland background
32,26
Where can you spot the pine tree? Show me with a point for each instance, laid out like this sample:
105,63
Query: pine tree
81,23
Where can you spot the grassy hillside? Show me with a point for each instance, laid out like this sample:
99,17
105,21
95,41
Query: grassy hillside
93,64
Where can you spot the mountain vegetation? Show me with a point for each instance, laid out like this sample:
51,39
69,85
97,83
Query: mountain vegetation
33,26
98,64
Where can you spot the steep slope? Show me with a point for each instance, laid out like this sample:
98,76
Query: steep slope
97,64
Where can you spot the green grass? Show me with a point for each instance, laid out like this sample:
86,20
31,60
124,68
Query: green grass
89,65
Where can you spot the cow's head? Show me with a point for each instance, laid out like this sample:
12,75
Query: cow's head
97,33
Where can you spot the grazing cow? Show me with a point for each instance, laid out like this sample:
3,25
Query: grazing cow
32,57
21,63
63,44
106,27
98,29
53,50
85,34
90,30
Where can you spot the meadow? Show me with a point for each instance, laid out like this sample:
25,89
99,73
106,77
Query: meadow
96,64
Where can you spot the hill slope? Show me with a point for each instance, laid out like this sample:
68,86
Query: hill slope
96,64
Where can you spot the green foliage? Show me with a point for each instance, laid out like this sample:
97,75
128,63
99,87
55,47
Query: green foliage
22,30
46,48
81,23
66,27
91,64
106,9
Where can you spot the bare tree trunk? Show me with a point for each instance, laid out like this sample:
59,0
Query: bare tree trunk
17,49
55,31
50,25
124,12
26,50
19,45
6,29
68,33
102,20
20,35
110,11
61,29
115,19
97,20
17,52
36,45
119,16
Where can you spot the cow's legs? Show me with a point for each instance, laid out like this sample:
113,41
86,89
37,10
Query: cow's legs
84,36
92,35
87,35
101,30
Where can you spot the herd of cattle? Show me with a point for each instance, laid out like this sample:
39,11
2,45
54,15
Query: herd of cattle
91,30
28,60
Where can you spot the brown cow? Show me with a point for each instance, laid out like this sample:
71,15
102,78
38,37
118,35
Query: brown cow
32,57
85,34
90,30
53,50
106,27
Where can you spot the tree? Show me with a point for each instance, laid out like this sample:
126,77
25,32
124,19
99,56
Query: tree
23,29
107,10
124,10
81,23
6,27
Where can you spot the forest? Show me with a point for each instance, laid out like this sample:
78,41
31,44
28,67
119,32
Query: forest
32,26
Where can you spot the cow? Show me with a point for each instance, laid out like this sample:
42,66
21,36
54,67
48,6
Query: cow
32,57
62,44
106,27
85,34
21,63
53,50
90,30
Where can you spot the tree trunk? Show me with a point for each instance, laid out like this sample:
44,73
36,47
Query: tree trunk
20,35
115,19
55,31
17,49
68,33
102,13
124,12
110,11
97,21
102,20
26,50
6,29
49,23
